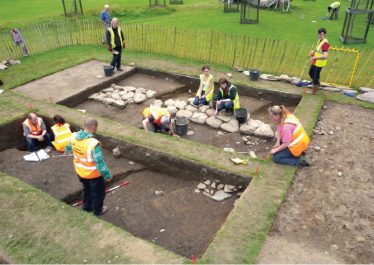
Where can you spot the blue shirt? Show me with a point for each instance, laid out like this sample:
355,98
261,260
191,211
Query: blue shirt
105,17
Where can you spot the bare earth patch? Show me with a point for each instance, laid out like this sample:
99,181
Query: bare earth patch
328,214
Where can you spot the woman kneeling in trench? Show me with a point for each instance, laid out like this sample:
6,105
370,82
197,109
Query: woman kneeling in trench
292,139
206,88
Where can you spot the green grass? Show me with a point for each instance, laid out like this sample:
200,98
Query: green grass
194,14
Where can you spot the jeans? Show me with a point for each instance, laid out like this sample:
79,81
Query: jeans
93,194
157,128
314,73
200,101
116,61
33,144
228,105
285,157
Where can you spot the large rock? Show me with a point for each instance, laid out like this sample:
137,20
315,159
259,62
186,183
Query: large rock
191,108
365,89
150,94
190,100
250,127
368,97
225,118
264,131
119,103
128,95
184,113
129,88
108,101
231,126
138,98
199,117
157,103
210,112
213,122
204,108
116,96
172,110
169,102
109,89
180,104
140,90
114,86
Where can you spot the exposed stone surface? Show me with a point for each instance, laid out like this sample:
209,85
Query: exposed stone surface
219,195
119,103
130,88
140,90
184,113
172,110
190,100
201,186
365,89
231,126
210,112
108,101
369,97
191,108
109,89
213,122
117,152
169,102
264,131
150,94
116,96
250,127
199,117
225,118
138,98
180,104
128,95
157,103
204,108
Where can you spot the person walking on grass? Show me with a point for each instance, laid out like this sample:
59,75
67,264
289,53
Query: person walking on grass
105,21
116,42
206,88
319,59
292,139
90,166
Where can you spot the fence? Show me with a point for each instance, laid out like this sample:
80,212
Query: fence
268,55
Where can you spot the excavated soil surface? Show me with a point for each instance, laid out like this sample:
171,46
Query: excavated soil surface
328,214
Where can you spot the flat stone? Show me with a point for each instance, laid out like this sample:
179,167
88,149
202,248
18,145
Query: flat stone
211,192
207,182
220,186
368,97
201,186
116,96
221,195
231,126
204,108
224,118
365,89
109,89
140,90
213,185
150,94
128,95
191,108
197,190
184,113
119,103
114,86
250,127
213,122
157,103
169,102
210,112
108,101
180,104
264,131
129,88
199,117
139,98
117,152
228,188
130,101
172,110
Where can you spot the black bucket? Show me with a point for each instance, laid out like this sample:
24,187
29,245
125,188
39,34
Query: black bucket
181,125
108,70
241,115
254,75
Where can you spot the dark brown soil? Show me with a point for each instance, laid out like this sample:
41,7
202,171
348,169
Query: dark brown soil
328,214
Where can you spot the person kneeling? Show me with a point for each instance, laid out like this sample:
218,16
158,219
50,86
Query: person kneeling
228,97
292,139
62,133
157,119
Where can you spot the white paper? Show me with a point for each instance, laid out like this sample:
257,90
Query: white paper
31,157
1,91
36,156
42,154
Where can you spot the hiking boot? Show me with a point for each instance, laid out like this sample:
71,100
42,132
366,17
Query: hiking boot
303,162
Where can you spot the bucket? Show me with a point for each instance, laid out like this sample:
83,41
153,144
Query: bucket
241,115
181,125
254,74
108,70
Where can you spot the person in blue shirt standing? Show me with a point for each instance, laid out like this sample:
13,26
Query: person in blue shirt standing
105,20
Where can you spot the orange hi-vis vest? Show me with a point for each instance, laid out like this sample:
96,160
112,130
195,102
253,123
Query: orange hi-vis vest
300,139
34,129
83,160
62,135
156,112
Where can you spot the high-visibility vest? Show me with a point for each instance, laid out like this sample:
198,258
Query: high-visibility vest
62,135
236,99
34,129
300,139
112,38
83,160
318,53
156,112
209,88
335,5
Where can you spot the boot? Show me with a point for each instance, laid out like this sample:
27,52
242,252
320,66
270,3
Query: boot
315,89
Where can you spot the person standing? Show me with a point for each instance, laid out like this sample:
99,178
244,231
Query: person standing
333,9
62,133
228,97
116,42
105,20
90,166
206,88
35,131
319,59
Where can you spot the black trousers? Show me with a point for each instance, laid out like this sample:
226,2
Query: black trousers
93,194
116,61
314,73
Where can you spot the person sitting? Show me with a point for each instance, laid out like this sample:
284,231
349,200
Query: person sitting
157,119
62,133
35,131
292,139
206,89
228,97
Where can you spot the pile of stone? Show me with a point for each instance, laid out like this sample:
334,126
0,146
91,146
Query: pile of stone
257,128
120,96
6,63
217,190
248,140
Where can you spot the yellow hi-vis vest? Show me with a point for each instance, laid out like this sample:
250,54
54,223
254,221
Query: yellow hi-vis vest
62,135
112,36
209,88
335,5
156,112
300,139
34,130
83,160
318,53
236,99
